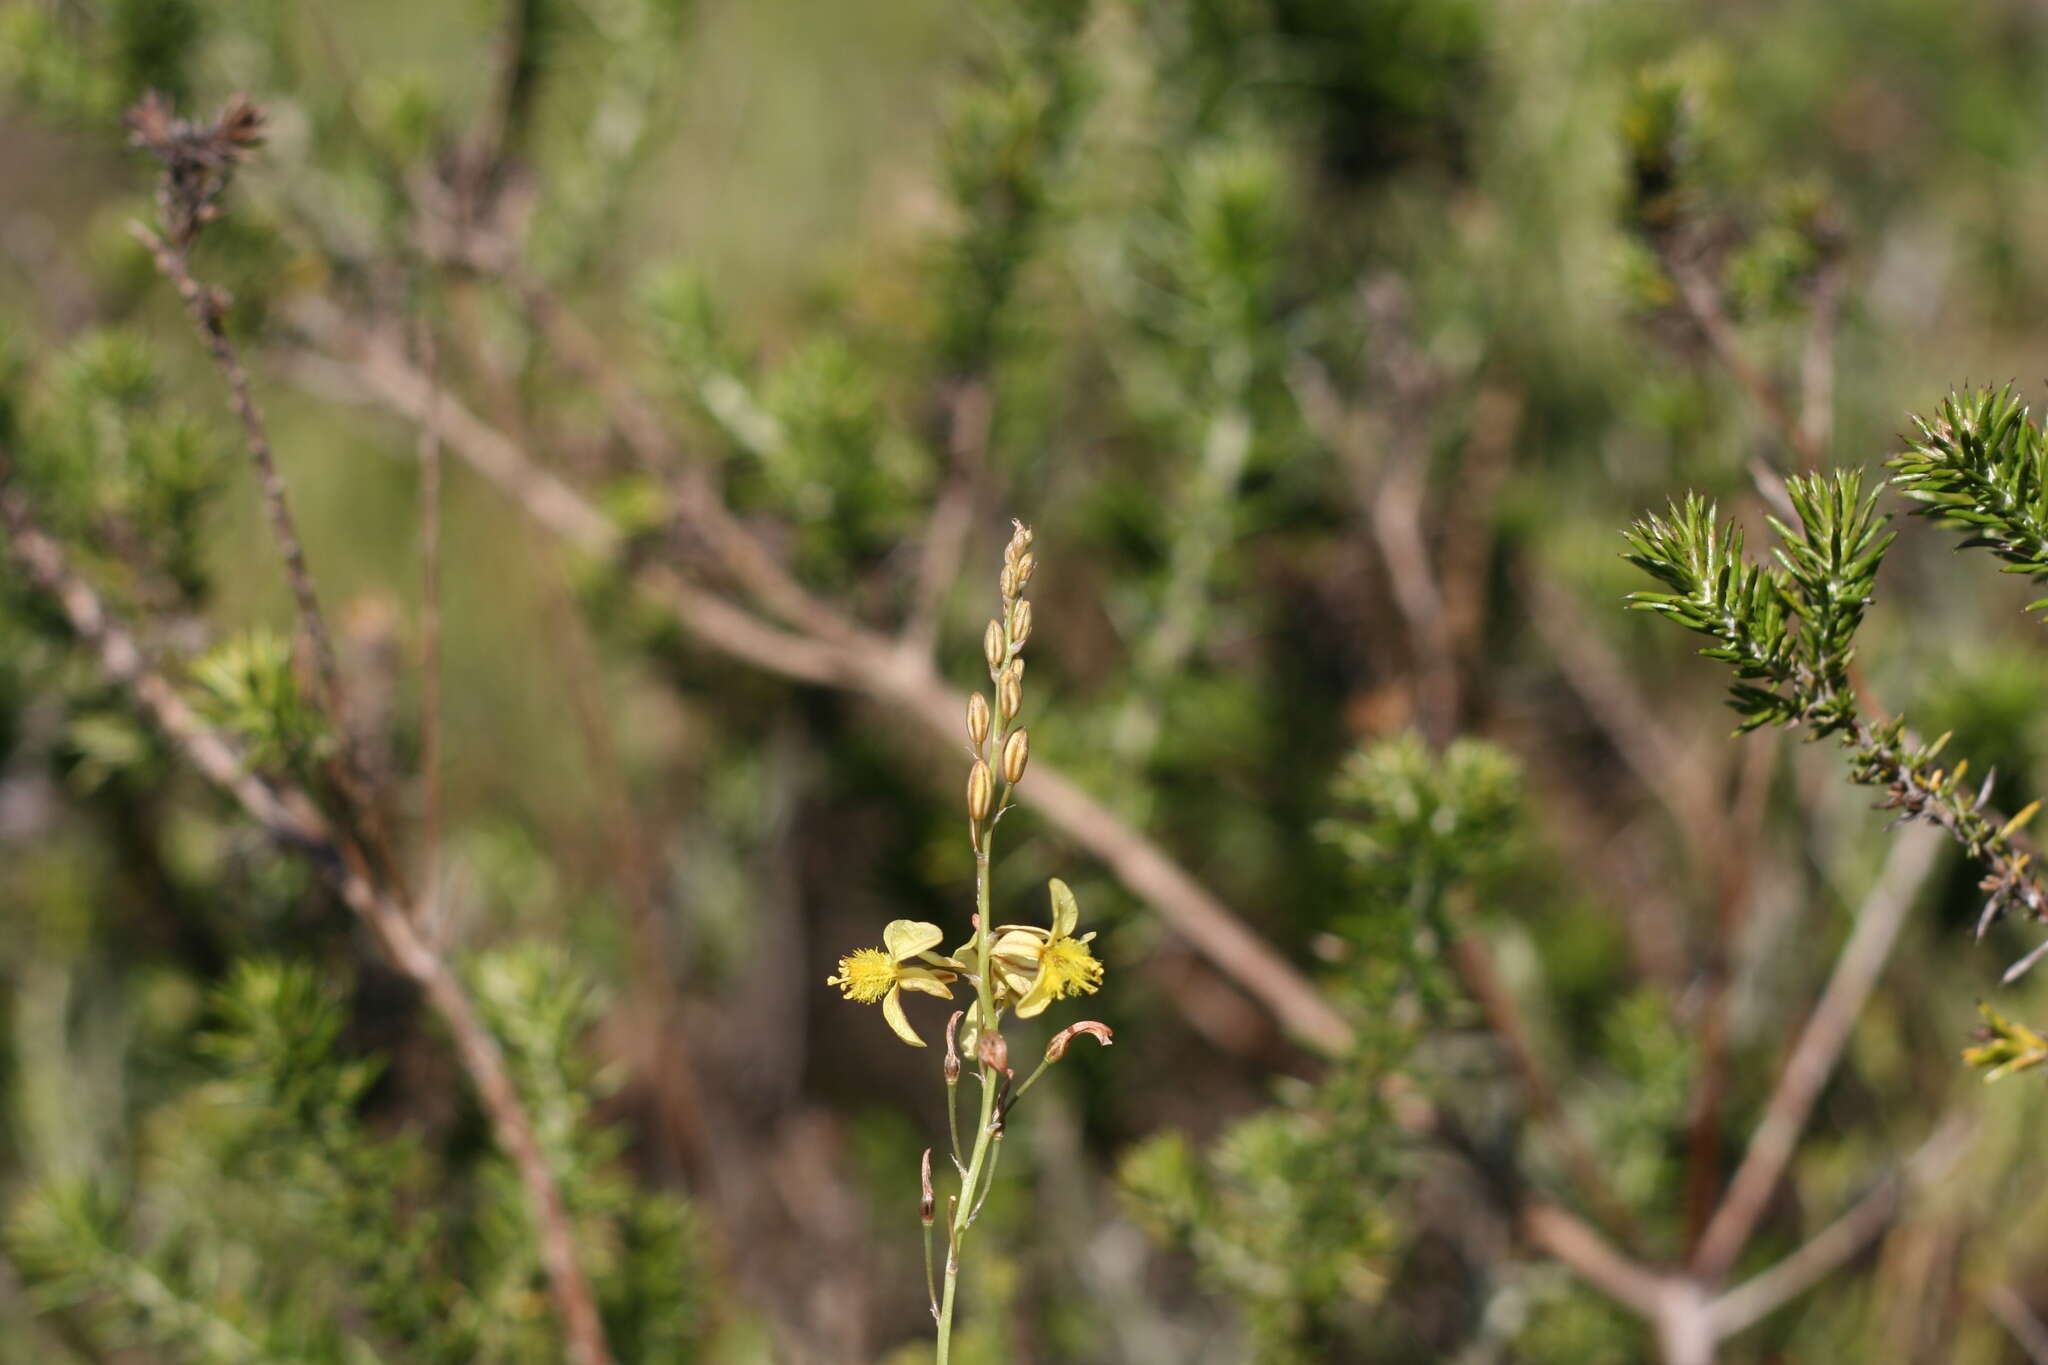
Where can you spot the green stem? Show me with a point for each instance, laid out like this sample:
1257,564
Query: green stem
962,1211
1043,1064
953,1124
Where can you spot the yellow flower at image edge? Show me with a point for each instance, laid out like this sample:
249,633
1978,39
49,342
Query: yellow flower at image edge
884,973
1040,966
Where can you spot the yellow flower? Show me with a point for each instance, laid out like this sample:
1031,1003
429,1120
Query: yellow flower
871,974
1038,966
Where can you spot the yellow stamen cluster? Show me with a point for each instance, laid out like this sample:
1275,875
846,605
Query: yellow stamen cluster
865,975
1072,968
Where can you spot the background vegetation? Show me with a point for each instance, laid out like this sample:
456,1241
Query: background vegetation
1455,952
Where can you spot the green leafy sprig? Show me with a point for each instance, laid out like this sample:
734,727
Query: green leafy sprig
1788,631
1981,466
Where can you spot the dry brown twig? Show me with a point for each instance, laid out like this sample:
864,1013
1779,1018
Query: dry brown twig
199,159
1703,304
970,409
1689,1318
1389,475
822,647
288,813
1913,858
1719,840
429,452
2006,1304
1481,979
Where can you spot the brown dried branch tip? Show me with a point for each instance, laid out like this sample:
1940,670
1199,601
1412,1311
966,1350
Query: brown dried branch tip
199,158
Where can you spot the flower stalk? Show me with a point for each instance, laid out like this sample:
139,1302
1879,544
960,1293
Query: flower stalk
1017,968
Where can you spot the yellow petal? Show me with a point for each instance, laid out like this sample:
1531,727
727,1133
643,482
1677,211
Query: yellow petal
927,983
1017,983
892,1010
1019,945
1066,911
1038,997
906,938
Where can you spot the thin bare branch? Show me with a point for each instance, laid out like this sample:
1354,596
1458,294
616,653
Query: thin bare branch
1560,1233
1633,725
1469,533
1842,1239
1395,510
696,496
1703,302
2026,1327
664,1059
1732,880
1476,971
1912,859
1390,483
289,814
969,409
848,658
1817,360
207,308
429,453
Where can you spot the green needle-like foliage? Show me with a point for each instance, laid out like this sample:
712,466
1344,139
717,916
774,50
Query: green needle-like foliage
1304,1215
1788,630
274,1222
1981,466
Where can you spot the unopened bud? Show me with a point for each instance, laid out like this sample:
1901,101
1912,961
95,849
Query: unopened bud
977,719
1057,1048
926,1205
1020,622
1025,566
981,791
952,1062
1009,696
1008,582
1020,541
994,1050
1016,753
992,645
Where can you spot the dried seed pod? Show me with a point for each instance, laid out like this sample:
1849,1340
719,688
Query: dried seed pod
1057,1048
993,645
926,1205
1016,753
977,719
981,791
995,1050
1020,622
952,1063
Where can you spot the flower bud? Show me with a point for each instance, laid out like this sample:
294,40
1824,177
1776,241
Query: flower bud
1016,753
1057,1048
1008,582
992,645
1009,697
981,791
1025,566
995,1051
977,719
952,1063
926,1205
1020,622
1020,541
